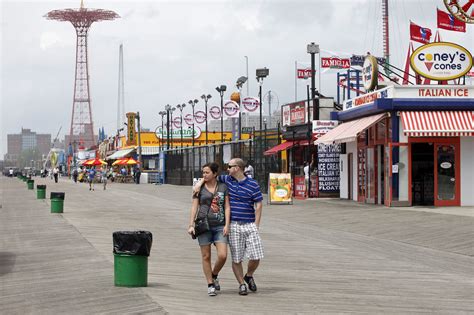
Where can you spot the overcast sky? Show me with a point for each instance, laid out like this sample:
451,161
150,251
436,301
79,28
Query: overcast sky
175,51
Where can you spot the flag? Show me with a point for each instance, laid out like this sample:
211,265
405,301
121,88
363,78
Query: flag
420,34
303,70
449,22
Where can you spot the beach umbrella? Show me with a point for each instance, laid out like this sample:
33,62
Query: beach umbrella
94,162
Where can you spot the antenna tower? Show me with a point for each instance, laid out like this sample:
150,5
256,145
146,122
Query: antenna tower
82,129
121,96
386,38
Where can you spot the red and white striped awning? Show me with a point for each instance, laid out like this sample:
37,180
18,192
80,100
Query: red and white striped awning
438,123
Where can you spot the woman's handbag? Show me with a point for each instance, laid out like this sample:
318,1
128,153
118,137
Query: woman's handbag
201,225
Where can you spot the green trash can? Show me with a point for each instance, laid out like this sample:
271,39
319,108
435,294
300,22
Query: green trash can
30,184
25,178
40,191
130,270
57,202
131,251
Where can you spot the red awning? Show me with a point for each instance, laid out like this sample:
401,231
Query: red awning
278,148
438,123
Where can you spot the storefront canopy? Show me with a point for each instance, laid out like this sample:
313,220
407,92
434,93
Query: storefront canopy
349,131
284,146
120,154
438,123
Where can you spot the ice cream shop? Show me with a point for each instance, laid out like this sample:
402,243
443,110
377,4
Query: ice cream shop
407,146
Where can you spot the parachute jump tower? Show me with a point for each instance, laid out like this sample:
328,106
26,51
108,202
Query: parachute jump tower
82,129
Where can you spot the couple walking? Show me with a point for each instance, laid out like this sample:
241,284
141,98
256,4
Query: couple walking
233,206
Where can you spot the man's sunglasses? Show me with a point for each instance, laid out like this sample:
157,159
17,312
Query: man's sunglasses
230,166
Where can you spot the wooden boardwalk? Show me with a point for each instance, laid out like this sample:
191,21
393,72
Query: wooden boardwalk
322,256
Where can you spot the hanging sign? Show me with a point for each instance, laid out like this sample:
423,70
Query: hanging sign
321,127
251,104
231,108
188,119
279,188
370,73
335,63
131,132
200,116
215,112
177,122
441,61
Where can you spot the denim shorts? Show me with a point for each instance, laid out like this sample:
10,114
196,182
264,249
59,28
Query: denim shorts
215,235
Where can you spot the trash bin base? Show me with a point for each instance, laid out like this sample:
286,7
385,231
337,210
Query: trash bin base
57,205
41,193
130,271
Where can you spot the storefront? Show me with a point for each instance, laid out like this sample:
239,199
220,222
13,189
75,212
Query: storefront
406,145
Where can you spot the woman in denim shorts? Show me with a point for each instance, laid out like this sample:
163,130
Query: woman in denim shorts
212,200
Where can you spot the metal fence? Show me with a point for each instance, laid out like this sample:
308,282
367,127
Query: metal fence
184,164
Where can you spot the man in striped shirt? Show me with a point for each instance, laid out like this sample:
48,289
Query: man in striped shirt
245,213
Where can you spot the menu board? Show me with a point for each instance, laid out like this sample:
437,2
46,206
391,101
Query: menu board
279,188
328,167
300,187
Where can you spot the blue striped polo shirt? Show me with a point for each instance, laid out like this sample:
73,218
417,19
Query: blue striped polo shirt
242,195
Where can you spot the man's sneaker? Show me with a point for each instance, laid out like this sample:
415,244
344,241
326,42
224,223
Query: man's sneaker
251,283
211,291
242,289
216,284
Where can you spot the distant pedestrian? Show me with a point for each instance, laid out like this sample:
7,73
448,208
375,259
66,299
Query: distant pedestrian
104,177
10,172
75,174
249,171
91,177
56,174
137,175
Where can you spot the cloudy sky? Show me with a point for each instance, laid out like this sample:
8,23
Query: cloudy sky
175,51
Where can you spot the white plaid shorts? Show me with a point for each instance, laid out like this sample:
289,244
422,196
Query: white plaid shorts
245,242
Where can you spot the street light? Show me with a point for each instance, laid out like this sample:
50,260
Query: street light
205,98
261,74
169,112
162,114
240,82
312,49
221,89
193,103
181,108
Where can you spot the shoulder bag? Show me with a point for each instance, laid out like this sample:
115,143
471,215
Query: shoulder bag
201,225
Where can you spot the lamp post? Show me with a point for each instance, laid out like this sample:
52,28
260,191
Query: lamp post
261,74
181,108
168,109
162,114
312,49
221,89
239,84
172,122
193,103
206,99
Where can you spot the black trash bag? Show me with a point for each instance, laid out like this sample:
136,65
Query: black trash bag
58,195
40,186
136,243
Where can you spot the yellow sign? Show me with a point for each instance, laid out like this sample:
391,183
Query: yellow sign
279,186
131,132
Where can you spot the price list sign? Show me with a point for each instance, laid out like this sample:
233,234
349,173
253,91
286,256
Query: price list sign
328,167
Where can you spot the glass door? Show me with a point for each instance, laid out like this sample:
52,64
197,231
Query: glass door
447,190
